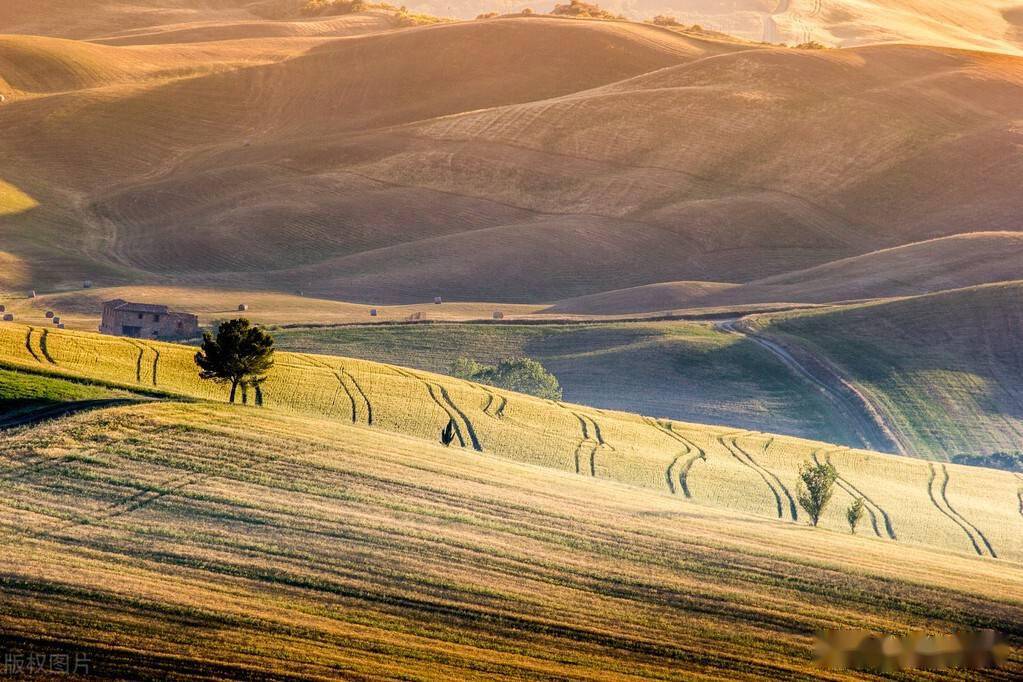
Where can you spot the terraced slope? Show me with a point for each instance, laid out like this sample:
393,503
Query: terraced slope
943,370
210,541
739,470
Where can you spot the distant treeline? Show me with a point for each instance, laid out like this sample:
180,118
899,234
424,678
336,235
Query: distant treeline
1006,461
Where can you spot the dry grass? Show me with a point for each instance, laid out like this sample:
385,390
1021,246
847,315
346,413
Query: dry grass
232,542
944,368
738,470
503,168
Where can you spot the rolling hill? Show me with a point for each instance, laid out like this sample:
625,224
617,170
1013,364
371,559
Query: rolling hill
943,369
722,467
329,535
503,168
931,266
995,25
207,541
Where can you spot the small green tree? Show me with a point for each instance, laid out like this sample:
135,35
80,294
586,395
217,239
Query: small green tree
815,488
854,513
240,355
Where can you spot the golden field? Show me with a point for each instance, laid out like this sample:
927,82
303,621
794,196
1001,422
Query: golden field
956,508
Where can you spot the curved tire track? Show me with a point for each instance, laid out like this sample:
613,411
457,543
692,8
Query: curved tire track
778,489
440,396
28,345
939,496
693,451
875,510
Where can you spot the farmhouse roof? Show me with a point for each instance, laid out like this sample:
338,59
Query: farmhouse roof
120,304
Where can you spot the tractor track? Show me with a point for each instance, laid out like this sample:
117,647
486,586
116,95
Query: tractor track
156,364
778,489
873,509
440,396
347,384
693,451
492,398
592,438
138,361
940,492
42,347
28,345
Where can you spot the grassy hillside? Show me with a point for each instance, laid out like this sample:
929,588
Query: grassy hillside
685,371
969,510
211,541
945,369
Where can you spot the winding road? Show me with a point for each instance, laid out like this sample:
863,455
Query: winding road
865,419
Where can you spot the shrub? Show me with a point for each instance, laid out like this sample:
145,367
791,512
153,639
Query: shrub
578,8
488,15
812,45
854,513
333,7
522,375
665,20
815,488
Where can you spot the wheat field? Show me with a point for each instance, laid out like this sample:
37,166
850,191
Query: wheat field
962,509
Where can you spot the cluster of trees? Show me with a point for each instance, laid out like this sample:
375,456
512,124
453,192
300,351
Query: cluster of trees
1006,461
586,10
816,486
333,7
672,22
523,375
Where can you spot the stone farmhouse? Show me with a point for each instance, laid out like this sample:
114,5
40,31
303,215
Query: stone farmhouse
146,321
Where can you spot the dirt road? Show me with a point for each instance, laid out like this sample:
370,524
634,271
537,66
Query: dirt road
861,414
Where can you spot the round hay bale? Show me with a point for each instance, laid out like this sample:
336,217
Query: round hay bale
8,318
60,326
49,314
243,307
498,315
437,300
87,284
32,294
56,320
372,312
3,309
